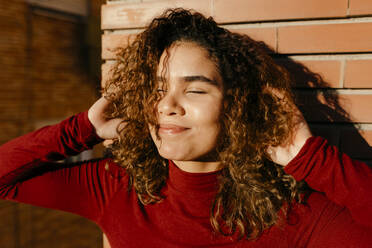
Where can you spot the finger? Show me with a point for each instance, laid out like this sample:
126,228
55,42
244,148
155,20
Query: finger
101,104
108,142
95,113
112,128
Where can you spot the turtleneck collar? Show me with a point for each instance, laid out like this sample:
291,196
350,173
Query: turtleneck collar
187,182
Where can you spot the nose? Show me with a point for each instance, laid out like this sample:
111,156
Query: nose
170,105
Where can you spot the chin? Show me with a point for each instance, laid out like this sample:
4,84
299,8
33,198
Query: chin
172,153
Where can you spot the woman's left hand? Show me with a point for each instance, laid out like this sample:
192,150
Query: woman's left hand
284,153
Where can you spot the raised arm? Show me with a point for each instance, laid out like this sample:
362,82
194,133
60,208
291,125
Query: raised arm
27,173
344,181
49,143
105,128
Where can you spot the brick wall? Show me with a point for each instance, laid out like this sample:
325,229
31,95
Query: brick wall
327,45
44,78
43,66
13,61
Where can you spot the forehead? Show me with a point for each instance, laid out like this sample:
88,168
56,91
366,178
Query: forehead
185,58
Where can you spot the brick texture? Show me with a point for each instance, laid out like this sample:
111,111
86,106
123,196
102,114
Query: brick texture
8,223
360,7
314,73
112,41
329,106
325,38
70,6
358,74
328,70
57,70
105,71
258,10
359,107
12,62
133,15
267,35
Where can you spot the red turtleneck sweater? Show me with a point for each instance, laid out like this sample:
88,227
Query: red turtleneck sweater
341,216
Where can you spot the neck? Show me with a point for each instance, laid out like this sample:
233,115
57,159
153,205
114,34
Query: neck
197,166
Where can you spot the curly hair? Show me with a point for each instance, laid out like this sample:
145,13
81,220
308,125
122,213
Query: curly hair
253,191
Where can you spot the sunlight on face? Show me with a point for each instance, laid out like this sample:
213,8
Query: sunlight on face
190,108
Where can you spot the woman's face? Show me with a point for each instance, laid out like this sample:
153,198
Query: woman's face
189,110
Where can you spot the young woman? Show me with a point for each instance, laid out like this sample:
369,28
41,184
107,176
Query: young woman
208,150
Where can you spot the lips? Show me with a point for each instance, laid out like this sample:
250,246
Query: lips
171,129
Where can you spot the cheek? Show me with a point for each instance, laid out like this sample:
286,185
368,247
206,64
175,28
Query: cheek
153,134
207,121
206,114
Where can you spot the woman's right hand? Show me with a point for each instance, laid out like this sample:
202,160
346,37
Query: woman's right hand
105,128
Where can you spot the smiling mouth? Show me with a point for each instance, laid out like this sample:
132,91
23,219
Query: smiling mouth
169,129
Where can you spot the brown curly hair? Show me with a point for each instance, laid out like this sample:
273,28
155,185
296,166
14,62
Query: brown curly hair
252,189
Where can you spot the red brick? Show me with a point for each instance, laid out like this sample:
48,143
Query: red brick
317,73
9,130
258,10
77,7
267,35
357,144
326,38
8,223
328,108
106,67
359,106
133,15
358,74
360,7
112,41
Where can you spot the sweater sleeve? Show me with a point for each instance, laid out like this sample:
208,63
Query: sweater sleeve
29,175
346,182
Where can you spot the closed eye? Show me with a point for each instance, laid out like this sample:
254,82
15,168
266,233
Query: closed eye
196,92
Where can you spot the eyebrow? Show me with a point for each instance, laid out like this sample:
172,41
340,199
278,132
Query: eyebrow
189,79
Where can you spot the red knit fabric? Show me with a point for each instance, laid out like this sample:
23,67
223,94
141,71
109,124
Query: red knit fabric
97,189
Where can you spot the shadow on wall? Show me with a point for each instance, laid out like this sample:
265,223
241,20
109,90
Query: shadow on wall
323,109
